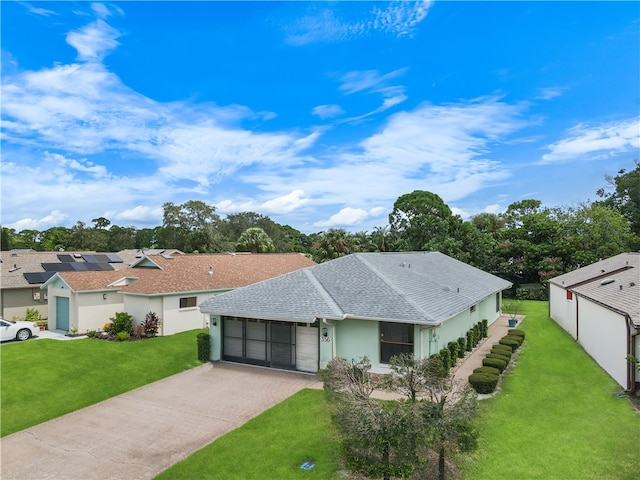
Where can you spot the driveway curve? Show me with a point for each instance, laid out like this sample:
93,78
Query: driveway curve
140,433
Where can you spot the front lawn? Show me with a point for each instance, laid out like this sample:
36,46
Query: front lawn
44,379
557,415
273,445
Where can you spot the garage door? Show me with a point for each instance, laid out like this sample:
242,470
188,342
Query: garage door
270,343
307,348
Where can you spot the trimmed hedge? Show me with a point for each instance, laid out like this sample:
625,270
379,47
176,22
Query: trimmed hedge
509,342
489,370
495,363
498,356
204,346
505,352
516,338
483,382
453,350
516,332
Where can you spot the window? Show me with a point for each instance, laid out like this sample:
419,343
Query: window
569,295
187,302
472,309
395,338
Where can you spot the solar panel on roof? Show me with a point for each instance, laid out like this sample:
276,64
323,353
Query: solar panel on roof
57,267
89,258
38,277
114,258
80,267
65,257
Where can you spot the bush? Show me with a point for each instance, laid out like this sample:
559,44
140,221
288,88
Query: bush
151,324
477,333
107,327
462,347
489,370
204,346
453,351
506,351
498,356
445,358
509,342
470,341
484,328
495,363
515,338
516,332
91,333
121,322
123,336
483,382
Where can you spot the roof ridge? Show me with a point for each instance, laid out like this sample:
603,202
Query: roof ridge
331,303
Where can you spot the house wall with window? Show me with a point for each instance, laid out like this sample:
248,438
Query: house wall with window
173,317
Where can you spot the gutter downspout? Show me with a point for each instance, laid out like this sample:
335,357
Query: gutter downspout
631,367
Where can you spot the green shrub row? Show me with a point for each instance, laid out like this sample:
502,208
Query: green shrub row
456,349
485,379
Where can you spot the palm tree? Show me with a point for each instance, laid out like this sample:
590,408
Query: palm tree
255,240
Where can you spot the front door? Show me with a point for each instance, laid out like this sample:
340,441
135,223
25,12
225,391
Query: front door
62,313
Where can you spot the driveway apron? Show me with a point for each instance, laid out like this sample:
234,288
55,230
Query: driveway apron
139,434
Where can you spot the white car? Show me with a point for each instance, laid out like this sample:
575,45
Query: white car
17,330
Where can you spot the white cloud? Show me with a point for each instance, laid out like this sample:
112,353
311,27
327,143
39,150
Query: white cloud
140,213
549,93
327,111
399,19
286,203
53,219
346,217
94,41
595,142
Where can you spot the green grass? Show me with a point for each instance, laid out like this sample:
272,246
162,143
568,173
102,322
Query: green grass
557,416
273,445
44,379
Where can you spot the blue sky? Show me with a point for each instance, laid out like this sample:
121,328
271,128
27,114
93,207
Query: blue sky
316,114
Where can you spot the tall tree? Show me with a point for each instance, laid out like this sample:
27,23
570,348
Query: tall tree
332,244
185,226
625,196
421,219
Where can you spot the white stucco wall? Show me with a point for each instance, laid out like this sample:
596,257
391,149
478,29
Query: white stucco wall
603,335
176,319
90,311
563,311
139,305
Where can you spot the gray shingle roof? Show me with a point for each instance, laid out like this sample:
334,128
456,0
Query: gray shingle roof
620,291
420,287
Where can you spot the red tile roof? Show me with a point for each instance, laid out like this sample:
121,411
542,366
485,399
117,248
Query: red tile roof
190,273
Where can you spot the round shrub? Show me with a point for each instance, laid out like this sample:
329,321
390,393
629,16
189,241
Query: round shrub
489,370
470,341
483,382
91,333
499,346
516,332
498,356
495,363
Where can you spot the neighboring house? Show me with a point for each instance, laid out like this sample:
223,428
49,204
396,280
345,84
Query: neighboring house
24,271
364,304
599,306
171,286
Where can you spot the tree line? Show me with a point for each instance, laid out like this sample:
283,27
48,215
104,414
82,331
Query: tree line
528,243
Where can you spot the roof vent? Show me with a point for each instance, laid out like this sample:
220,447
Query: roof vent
620,287
632,284
607,281
210,272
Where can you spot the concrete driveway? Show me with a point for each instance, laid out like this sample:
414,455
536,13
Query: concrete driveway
143,432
